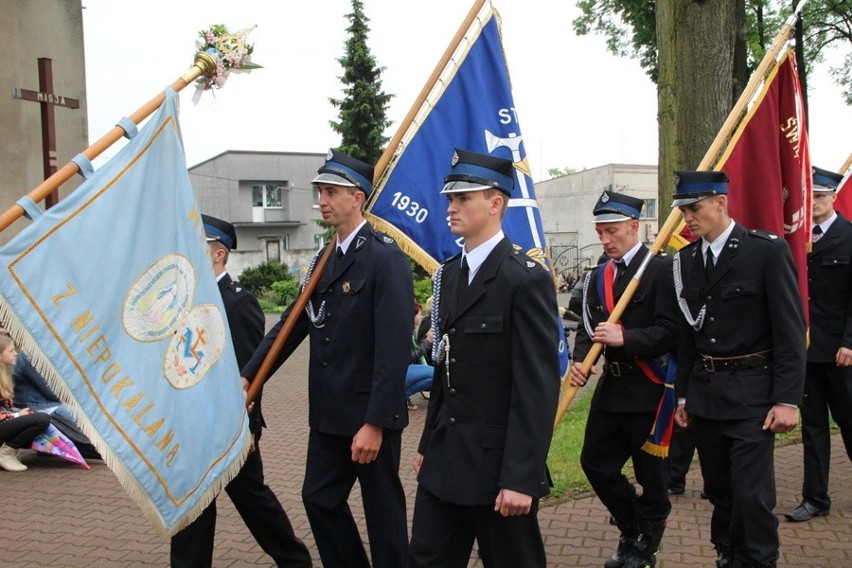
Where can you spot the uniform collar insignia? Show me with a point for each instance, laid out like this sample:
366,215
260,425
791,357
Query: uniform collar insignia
360,242
347,286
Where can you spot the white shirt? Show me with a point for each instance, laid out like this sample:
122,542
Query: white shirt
477,256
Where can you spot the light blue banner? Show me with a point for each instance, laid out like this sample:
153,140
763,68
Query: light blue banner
112,294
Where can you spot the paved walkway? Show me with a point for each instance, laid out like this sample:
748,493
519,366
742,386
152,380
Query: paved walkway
57,514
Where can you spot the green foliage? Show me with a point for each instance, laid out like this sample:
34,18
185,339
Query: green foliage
629,27
559,172
363,110
284,292
422,290
563,460
259,279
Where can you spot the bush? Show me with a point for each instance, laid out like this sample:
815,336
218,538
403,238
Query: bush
422,290
259,279
284,291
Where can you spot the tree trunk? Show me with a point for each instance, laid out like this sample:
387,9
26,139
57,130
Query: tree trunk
696,41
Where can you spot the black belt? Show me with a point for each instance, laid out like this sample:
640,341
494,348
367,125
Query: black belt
750,361
619,368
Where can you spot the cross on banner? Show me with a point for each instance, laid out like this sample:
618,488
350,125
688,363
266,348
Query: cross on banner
48,100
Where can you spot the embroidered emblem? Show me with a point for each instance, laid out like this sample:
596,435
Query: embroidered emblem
387,239
196,346
733,243
530,264
676,180
330,155
360,242
455,159
347,286
158,298
604,197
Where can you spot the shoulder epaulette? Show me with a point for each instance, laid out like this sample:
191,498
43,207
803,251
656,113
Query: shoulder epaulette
763,234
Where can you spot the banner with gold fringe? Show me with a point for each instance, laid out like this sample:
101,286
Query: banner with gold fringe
112,295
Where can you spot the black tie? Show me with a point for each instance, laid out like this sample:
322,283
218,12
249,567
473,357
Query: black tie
709,263
621,269
464,275
816,233
339,253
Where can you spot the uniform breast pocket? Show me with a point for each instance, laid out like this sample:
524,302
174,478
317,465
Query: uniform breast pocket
739,289
840,261
484,324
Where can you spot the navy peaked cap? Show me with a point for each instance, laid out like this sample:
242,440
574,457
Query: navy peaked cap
826,180
340,169
613,207
470,171
219,230
692,186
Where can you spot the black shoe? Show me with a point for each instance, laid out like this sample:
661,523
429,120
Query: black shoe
617,559
805,512
677,489
725,556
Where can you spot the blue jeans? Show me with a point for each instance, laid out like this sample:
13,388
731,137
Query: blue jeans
418,378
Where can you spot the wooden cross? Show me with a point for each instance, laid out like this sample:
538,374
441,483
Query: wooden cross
48,100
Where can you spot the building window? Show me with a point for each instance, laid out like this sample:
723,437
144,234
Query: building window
268,195
649,211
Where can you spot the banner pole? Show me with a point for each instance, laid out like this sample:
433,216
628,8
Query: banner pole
204,64
385,158
709,161
263,371
846,165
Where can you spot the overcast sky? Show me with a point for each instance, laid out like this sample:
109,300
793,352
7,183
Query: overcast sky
578,105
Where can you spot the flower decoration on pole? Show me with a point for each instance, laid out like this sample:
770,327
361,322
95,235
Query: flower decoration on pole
231,50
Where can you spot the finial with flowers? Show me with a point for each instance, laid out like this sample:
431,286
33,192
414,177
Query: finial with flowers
232,52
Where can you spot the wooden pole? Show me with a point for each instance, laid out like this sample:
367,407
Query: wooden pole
263,372
204,64
846,165
710,160
389,152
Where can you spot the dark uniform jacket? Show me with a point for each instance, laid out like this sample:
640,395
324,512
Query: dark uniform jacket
753,305
650,324
830,291
246,323
490,423
360,355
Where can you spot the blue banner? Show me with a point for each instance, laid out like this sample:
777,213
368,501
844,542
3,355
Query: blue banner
112,295
470,107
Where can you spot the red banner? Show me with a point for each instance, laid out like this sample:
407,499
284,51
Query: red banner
768,164
843,204
769,167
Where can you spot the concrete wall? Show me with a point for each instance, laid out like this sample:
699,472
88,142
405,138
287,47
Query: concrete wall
32,29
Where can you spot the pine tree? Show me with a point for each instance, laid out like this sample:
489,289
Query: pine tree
363,117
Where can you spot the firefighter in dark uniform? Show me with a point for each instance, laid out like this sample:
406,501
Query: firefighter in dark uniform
481,459
359,323
254,500
828,383
628,394
741,364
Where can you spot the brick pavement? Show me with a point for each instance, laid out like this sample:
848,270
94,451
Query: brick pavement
57,514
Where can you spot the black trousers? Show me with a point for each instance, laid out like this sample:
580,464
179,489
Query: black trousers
20,432
442,536
329,477
263,515
737,462
611,439
827,388
681,452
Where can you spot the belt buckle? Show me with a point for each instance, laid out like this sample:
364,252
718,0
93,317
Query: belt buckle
709,364
615,369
